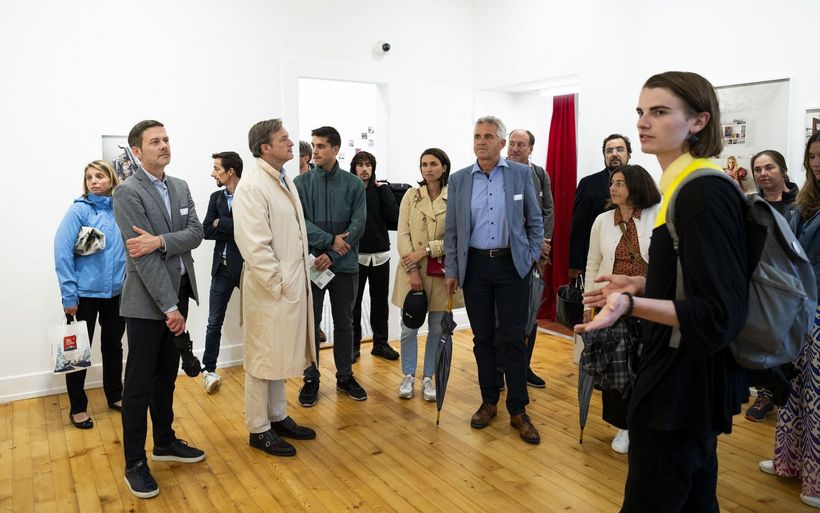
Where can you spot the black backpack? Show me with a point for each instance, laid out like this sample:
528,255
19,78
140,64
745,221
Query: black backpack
398,190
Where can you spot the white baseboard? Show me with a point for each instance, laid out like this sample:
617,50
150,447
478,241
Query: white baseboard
38,384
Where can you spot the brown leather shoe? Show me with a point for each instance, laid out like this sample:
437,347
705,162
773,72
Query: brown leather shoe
523,424
482,417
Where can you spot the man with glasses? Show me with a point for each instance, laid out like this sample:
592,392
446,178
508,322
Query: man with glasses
591,197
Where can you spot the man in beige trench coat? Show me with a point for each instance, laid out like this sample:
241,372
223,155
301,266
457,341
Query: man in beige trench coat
277,316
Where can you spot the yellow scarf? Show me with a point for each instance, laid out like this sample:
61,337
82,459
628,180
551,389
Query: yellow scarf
682,167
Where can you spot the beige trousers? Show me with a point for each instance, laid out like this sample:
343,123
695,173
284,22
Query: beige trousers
265,402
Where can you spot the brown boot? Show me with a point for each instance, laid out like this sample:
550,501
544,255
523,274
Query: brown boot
523,424
482,417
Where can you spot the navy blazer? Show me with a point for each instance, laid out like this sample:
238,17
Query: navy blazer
222,234
526,225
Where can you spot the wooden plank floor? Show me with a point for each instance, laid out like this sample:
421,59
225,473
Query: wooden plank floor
384,454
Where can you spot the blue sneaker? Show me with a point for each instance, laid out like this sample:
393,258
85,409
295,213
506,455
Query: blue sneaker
180,451
140,481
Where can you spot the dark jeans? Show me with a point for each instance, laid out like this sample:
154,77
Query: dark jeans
379,276
493,291
671,472
112,327
342,290
150,374
222,285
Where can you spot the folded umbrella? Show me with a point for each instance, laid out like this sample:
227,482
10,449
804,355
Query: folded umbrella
444,356
585,386
536,293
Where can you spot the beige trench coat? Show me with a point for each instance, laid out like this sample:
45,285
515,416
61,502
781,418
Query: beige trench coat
276,304
421,223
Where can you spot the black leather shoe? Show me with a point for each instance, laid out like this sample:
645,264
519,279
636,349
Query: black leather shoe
309,393
271,443
115,406
534,380
83,424
289,428
384,350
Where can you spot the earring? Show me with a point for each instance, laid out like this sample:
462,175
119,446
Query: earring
692,139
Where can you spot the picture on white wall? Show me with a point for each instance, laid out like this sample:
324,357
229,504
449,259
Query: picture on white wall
812,122
116,151
735,132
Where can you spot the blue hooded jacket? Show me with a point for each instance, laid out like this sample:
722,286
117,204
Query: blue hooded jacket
100,275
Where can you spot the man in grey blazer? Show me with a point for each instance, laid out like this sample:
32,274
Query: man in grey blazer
156,216
492,240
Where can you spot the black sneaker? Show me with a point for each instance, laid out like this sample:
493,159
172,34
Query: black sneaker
352,388
762,408
309,393
271,443
384,350
140,481
289,428
180,451
534,380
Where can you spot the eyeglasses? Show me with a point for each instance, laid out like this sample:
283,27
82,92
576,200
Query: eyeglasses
617,149
618,184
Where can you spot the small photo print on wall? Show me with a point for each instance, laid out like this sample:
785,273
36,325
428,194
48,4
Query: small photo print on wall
116,151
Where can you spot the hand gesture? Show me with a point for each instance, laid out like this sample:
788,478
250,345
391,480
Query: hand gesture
339,245
615,283
615,306
413,258
143,244
322,262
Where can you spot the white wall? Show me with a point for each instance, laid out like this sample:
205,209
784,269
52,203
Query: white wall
520,110
208,70
73,71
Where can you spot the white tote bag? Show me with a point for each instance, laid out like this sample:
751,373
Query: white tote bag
71,349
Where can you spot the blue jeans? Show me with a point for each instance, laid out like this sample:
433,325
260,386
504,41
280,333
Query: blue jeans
222,286
410,346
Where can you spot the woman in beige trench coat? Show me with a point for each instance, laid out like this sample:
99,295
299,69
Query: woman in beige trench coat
420,238
277,316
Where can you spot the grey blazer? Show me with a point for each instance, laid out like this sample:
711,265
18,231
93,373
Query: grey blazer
152,281
523,216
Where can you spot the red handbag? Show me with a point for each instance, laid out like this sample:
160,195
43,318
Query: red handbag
435,266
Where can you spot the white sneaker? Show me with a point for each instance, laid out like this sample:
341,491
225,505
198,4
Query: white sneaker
428,389
814,502
766,466
211,381
620,443
406,387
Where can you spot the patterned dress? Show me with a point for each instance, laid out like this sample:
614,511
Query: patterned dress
797,444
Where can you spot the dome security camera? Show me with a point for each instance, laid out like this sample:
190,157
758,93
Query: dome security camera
382,47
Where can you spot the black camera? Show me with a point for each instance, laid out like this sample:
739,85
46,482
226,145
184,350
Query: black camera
190,363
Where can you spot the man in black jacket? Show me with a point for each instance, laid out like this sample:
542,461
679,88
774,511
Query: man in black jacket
374,257
591,198
227,264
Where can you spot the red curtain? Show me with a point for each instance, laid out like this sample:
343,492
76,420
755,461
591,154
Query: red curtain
561,166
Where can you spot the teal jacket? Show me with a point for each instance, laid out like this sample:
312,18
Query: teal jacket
334,203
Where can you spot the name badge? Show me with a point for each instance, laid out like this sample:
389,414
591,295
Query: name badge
183,211
518,197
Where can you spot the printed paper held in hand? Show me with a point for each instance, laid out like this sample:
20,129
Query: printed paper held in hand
320,279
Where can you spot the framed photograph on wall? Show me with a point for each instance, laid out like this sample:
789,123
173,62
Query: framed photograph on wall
735,132
812,123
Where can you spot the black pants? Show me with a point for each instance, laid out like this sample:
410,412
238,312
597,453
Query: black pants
493,292
615,408
379,276
112,327
342,296
671,472
150,373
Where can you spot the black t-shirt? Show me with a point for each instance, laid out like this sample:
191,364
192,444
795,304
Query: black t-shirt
699,386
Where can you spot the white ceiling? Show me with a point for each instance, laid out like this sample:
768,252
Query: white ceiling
749,96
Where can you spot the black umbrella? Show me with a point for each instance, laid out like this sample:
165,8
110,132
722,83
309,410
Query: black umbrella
444,356
585,386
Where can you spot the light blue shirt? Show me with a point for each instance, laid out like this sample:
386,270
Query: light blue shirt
488,215
162,188
228,197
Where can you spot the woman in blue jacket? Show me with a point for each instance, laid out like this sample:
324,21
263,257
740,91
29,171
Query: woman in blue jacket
90,285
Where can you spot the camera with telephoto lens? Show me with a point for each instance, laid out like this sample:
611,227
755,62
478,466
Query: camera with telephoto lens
190,363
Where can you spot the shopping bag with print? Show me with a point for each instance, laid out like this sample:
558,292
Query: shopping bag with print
71,349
